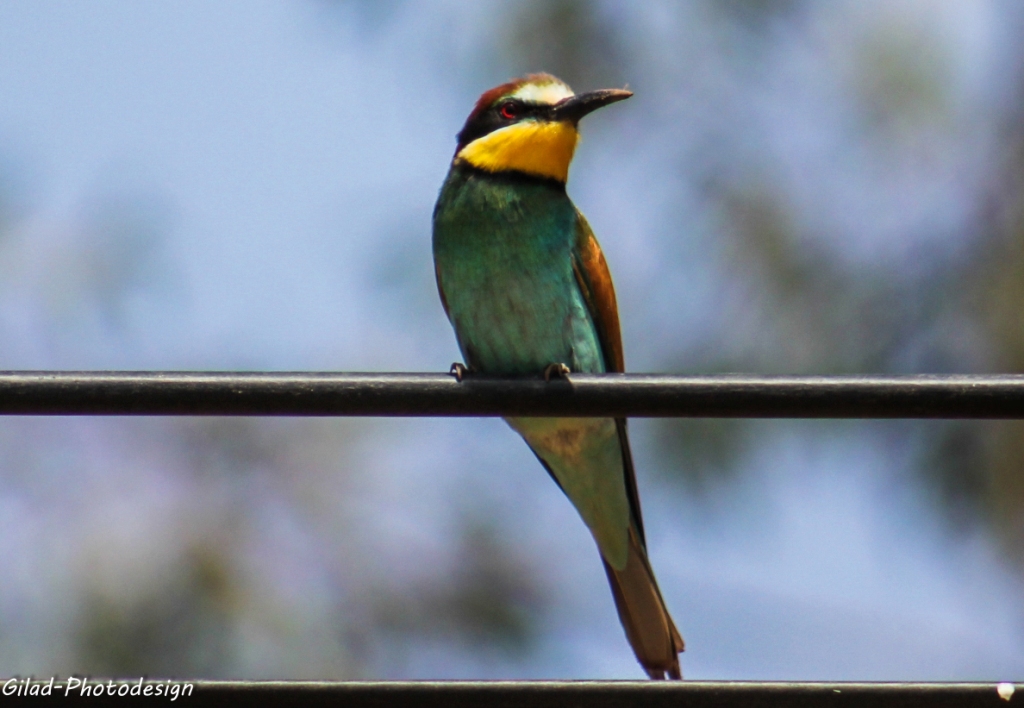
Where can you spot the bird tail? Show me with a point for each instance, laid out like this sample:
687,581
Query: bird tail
649,627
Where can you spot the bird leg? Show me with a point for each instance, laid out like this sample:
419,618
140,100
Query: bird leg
458,370
557,370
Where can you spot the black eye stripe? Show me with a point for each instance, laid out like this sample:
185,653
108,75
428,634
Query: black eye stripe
492,119
520,107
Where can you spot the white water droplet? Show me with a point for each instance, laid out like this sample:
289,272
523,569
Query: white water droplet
1005,691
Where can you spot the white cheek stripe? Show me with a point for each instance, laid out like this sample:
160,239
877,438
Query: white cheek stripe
549,93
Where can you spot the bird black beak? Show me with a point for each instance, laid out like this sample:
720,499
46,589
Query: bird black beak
575,107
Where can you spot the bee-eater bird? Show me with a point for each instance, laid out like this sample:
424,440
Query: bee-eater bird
527,290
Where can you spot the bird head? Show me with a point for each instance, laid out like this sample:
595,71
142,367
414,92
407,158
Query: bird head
528,125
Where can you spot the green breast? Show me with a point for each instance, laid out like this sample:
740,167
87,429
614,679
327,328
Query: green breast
503,250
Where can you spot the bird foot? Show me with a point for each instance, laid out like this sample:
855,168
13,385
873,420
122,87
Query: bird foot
458,370
557,370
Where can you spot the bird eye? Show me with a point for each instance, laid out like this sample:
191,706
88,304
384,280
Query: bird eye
509,110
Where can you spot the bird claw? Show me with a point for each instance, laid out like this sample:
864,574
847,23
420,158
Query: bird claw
458,370
557,370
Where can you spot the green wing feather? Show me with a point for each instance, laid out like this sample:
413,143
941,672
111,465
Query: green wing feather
595,282
648,624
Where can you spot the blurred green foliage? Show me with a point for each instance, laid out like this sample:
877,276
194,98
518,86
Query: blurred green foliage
490,599
575,40
903,81
178,628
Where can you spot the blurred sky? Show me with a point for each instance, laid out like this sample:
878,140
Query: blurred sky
248,185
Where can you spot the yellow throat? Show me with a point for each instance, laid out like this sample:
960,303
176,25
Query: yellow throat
540,148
